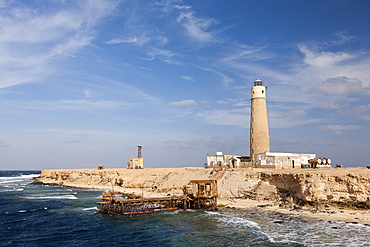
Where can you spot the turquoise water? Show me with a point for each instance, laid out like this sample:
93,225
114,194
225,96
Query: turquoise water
54,216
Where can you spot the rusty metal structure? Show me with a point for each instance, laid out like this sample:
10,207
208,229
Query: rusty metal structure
199,195
139,152
203,195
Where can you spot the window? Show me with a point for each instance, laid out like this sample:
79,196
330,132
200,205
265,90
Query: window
202,187
263,91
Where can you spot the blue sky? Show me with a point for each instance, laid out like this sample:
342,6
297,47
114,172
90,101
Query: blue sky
82,83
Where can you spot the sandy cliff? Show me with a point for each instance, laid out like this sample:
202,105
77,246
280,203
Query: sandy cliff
340,194
341,187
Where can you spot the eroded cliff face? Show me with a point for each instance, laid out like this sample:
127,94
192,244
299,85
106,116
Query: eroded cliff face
342,187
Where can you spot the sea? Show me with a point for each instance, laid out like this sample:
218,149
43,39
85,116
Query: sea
34,215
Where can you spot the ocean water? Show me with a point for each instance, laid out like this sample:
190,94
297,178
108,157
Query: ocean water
33,215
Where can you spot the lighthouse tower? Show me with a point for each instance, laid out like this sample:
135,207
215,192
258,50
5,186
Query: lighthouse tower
259,129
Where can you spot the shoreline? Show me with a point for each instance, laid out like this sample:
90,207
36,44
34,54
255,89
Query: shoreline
330,214
329,194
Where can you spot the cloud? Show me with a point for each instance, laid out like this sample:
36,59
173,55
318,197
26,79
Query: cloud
281,119
330,106
183,103
240,52
167,6
142,67
238,117
342,38
338,129
339,86
33,41
82,104
226,79
242,111
323,59
221,102
300,113
127,40
155,52
289,139
139,39
241,117
187,7
363,112
188,78
88,92
197,27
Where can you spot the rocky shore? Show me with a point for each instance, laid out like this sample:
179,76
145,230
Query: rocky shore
338,194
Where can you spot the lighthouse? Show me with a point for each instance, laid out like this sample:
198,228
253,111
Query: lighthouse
259,130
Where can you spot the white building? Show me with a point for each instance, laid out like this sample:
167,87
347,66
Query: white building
282,160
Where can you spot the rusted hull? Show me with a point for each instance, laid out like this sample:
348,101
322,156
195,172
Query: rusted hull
203,197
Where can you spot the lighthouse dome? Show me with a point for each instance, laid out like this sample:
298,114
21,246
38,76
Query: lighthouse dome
258,82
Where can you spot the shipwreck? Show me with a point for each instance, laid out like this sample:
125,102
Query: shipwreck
198,195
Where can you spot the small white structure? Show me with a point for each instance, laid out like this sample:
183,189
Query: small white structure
282,160
227,161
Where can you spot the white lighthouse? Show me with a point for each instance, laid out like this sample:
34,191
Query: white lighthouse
259,130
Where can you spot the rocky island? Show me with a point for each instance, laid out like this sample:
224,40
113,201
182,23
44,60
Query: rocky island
338,194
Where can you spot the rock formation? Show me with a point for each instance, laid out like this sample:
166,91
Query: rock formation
338,187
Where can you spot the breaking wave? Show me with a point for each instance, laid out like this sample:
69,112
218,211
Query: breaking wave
58,197
92,208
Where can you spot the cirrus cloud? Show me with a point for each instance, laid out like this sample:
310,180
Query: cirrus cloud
183,103
338,129
339,86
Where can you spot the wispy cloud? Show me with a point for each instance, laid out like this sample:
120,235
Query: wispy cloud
287,119
167,6
31,41
246,110
160,53
339,86
183,103
188,78
363,112
289,140
300,113
221,102
338,129
237,117
341,38
82,104
197,27
330,106
226,80
88,92
140,39
127,40
323,59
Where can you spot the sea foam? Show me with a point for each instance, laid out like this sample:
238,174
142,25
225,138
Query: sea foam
58,197
92,208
